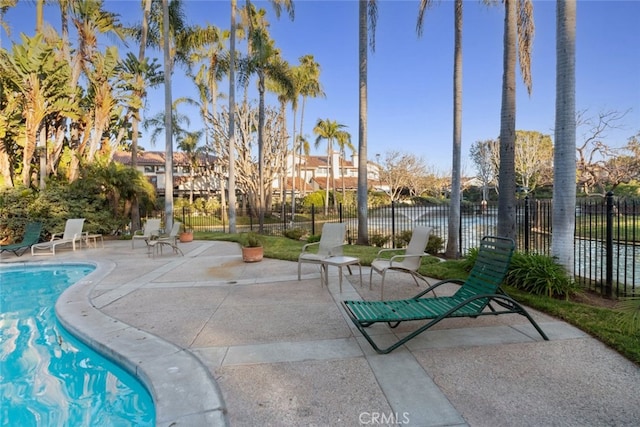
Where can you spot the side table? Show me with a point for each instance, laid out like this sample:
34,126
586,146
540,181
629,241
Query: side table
89,237
339,261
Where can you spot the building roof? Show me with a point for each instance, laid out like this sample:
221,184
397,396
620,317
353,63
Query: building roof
321,161
157,158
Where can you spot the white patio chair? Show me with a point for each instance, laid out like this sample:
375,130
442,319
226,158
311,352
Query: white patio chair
330,244
406,262
72,234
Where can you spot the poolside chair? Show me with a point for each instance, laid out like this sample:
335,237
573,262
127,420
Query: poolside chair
72,234
407,262
479,295
31,235
170,240
330,244
150,231
173,234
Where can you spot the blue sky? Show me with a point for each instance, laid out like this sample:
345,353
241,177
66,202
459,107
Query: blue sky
410,79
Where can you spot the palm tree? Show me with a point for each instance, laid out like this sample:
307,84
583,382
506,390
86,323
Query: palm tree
33,71
135,120
103,77
453,233
518,25
303,148
331,131
287,93
564,164
168,121
264,59
169,31
309,74
179,122
277,5
344,141
90,19
367,9
231,185
211,66
189,145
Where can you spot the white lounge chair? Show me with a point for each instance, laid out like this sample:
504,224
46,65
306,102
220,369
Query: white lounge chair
150,230
407,262
72,234
330,244
170,240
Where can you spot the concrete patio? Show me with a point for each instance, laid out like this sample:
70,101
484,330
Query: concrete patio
221,342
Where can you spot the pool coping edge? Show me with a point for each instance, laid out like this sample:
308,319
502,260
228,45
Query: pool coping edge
182,388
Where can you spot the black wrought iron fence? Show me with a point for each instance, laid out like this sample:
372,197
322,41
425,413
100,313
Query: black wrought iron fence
607,234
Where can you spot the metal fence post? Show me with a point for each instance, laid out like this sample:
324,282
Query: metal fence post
313,220
340,212
526,223
283,213
459,232
393,224
609,246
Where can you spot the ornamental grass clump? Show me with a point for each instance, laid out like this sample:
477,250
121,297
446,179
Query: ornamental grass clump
540,275
251,240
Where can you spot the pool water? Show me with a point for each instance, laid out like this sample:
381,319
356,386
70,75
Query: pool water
48,377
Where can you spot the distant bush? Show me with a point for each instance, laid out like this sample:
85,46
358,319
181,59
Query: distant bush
402,239
313,238
379,240
435,245
294,233
314,199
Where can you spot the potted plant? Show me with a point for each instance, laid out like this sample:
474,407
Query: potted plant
252,249
186,235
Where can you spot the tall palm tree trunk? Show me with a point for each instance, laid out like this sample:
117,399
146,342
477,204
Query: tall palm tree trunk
261,197
231,187
453,247
363,232
168,129
564,162
326,198
135,121
506,174
304,192
293,168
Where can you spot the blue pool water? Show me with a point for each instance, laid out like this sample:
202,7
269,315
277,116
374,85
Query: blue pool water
49,378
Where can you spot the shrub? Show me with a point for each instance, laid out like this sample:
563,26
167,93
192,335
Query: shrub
629,314
434,245
313,238
401,240
469,260
540,275
294,233
378,240
15,211
314,199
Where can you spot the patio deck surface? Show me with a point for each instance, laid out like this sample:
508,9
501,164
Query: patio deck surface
221,342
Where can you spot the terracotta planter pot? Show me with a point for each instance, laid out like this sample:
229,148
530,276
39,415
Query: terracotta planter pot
253,254
186,237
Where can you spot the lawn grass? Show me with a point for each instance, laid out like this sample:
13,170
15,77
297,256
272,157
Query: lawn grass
599,322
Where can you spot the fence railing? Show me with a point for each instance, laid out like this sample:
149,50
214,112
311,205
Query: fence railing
606,242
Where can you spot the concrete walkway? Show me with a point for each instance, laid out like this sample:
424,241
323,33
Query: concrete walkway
221,342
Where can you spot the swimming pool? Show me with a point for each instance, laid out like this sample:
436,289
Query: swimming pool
49,378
